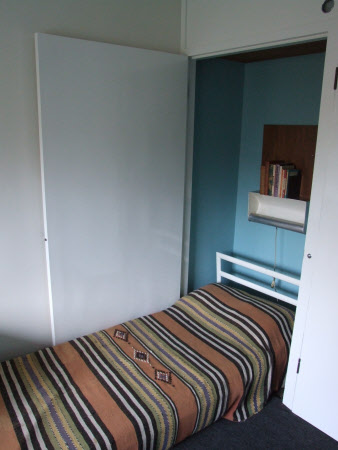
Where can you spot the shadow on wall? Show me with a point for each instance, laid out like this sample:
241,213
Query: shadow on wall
12,346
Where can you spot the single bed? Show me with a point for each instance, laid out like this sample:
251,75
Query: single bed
150,382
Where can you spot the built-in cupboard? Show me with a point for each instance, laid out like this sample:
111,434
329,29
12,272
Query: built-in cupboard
233,102
223,28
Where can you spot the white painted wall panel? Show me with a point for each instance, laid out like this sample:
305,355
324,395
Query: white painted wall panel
154,24
219,25
113,137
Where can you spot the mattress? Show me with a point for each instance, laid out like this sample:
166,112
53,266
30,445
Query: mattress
150,382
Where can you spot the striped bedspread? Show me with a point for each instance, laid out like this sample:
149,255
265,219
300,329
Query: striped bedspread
150,382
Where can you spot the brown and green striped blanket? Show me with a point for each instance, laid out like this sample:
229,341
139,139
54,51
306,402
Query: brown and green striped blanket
151,382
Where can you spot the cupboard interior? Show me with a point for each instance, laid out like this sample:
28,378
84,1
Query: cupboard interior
235,96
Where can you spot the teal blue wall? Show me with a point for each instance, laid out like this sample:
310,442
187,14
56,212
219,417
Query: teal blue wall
233,102
282,91
219,91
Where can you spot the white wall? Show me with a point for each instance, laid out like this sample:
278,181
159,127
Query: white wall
153,24
213,26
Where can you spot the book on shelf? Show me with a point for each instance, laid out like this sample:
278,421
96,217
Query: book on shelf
276,179
267,181
270,176
283,179
263,181
293,184
280,179
266,178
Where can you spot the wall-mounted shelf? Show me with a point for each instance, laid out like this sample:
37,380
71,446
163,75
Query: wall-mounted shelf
278,212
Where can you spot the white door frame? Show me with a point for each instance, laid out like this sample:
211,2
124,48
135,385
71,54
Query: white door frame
316,195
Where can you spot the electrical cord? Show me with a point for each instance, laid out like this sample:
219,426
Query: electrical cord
273,284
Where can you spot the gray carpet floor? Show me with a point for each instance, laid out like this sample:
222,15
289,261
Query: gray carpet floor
276,427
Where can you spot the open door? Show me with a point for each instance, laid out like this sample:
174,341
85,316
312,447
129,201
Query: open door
311,384
112,135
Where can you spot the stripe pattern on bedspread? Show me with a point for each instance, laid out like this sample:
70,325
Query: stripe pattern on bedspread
150,382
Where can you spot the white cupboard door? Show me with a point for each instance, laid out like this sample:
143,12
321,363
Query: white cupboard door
316,386
112,135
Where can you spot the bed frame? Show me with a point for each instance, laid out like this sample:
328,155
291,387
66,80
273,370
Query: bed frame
280,276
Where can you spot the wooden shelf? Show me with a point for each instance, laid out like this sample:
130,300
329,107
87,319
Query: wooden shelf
278,212
295,144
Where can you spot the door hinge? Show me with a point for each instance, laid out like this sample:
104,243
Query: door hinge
298,366
335,80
